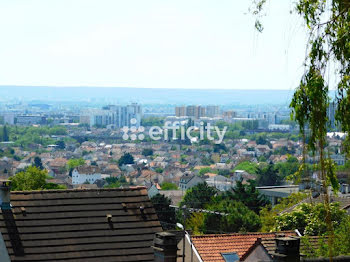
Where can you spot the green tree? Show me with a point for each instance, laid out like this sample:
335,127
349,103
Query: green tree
147,152
75,162
38,163
32,179
239,218
310,219
115,182
262,140
341,242
248,195
287,168
328,55
268,176
152,121
5,135
126,159
53,186
159,170
169,186
268,214
198,196
247,166
60,144
165,213
204,170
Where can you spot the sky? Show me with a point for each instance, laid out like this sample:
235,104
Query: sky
204,44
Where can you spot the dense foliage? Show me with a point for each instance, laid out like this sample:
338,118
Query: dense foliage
268,176
247,166
166,214
126,159
32,179
75,162
341,242
309,219
147,152
239,218
238,209
328,23
25,136
268,215
169,186
246,194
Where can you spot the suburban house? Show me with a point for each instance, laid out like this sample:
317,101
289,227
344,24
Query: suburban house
84,174
57,165
220,182
236,246
152,188
86,225
188,180
275,193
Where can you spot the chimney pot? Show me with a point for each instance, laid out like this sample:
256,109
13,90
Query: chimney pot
287,249
165,247
5,186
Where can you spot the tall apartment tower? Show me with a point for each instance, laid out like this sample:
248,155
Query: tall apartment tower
212,111
331,115
180,111
115,116
195,112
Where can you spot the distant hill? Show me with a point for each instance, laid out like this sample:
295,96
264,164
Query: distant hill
147,95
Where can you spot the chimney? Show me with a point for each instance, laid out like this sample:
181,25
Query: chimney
5,186
165,247
287,249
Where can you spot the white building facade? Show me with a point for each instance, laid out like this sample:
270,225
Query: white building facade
78,178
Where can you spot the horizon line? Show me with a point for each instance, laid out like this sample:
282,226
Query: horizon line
134,87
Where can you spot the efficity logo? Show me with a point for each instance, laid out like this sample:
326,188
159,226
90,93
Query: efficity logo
136,132
174,131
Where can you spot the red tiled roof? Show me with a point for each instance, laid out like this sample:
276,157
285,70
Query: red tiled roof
210,247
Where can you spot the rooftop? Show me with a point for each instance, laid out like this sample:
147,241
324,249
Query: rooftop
80,225
211,247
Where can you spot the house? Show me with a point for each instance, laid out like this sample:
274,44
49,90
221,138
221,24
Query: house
275,193
220,182
188,180
152,189
237,175
77,225
57,165
233,247
175,195
83,174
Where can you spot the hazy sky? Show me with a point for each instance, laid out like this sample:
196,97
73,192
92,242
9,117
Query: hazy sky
149,43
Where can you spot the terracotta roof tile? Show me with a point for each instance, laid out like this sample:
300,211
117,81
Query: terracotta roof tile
210,247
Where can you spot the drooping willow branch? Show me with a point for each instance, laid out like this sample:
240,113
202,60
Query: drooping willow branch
328,48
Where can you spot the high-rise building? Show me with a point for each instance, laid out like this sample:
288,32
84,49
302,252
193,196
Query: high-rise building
114,116
191,111
180,111
195,112
331,115
228,115
212,111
